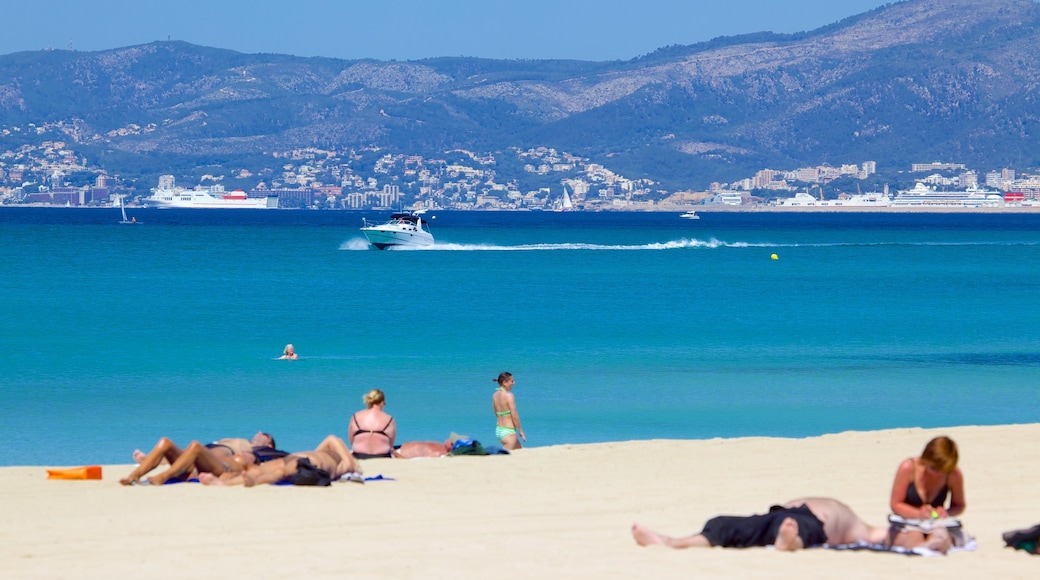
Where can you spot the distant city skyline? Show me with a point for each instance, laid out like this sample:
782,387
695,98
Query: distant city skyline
412,29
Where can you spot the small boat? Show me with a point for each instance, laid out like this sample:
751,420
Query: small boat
690,215
564,204
402,229
123,210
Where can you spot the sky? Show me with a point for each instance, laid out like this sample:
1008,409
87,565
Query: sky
410,29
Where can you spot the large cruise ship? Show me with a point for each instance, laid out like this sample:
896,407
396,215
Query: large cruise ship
873,199
923,196
169,196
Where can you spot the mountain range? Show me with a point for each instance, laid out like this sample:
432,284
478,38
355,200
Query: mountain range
912,81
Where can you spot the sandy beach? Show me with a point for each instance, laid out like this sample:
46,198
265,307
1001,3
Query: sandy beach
552,512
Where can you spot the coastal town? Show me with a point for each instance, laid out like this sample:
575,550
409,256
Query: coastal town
54,173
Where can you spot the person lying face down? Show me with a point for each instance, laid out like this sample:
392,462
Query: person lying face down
799,523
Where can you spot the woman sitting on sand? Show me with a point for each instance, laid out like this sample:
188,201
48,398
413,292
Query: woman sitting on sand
372,431
503,402
923,484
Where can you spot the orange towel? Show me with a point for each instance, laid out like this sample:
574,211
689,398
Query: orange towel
88,472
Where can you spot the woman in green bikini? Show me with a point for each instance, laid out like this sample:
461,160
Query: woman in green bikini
508,429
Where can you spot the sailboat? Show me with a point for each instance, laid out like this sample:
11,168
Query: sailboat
123,211
566,205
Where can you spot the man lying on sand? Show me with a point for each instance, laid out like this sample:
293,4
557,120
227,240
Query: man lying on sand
800,523
417,449
330,455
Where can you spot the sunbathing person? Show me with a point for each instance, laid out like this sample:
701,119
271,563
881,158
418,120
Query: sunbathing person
800,523
372,431
229,454
923,485
331,455
417,449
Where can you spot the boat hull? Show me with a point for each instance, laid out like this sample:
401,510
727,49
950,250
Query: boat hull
383,238
197,200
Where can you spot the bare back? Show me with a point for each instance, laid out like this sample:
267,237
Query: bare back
416,449
504,404
372,431
840,524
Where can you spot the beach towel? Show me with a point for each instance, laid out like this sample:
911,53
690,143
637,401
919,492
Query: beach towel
496,450
969,545
1025,540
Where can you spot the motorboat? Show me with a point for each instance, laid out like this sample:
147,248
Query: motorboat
690,215
402,229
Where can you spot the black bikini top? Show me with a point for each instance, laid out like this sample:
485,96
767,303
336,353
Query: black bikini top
914,499
380,432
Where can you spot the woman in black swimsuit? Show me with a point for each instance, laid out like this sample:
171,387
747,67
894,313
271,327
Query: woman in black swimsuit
372,432
924,484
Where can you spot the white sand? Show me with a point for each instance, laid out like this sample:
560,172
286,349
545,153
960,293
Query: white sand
551,512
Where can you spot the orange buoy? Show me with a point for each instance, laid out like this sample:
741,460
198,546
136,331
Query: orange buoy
87,472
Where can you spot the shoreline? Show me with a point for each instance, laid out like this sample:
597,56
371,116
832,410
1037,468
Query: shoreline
560,511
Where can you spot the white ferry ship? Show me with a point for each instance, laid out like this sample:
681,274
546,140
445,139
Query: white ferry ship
924,196
872,199
169,196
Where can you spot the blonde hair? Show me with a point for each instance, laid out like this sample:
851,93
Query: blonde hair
940,453
374,397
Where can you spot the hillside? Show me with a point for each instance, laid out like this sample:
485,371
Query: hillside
912,81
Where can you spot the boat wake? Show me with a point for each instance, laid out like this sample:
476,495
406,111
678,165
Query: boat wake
362,244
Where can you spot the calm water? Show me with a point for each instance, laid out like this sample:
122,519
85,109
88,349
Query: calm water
617,326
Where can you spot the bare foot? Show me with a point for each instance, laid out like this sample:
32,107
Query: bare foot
128,480
247,480
139,456
787,538
210,479
939,540
645,537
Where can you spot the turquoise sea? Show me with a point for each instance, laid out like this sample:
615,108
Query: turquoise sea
616,325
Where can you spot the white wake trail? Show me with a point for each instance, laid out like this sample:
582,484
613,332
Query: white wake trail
357,244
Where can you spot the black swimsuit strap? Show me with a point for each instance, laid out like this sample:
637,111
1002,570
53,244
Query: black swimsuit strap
370,431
